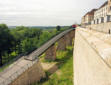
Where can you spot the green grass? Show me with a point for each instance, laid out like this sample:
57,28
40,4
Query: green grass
4,67
8,60
64,76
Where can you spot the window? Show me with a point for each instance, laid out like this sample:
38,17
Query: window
102,19
110,7
108,18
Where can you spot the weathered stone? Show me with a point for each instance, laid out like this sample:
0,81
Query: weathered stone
70,37
72,34
33,74
51,53
103,27
89,66
68,40
61,44
53,69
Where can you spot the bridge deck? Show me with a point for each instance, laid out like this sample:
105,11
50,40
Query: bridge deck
44,47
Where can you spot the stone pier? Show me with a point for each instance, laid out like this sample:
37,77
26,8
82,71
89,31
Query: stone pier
68,40
33,74
50,54
62,44
72,36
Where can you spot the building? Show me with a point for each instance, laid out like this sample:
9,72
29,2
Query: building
103,14
83,20
100,16
97,16
88,17
109,7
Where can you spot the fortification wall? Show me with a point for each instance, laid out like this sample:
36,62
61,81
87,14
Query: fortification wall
89,67
103,27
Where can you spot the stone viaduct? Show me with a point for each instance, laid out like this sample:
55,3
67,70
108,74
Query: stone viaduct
28,69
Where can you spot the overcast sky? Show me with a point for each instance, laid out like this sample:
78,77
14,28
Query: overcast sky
45,12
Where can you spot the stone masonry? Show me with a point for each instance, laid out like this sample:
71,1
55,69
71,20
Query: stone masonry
72,34
62,44
91,51
68,40
50,54
103,27
33,74
70,37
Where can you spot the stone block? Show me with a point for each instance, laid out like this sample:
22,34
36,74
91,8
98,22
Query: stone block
50,54
68,40
33,74
61,44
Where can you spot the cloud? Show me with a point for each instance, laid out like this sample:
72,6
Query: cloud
45,12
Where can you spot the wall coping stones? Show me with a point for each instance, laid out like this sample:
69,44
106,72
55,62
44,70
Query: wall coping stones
99,42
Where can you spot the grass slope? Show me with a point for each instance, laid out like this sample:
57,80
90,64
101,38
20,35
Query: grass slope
64,75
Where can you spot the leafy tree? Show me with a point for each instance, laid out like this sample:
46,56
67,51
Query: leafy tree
6,41
58,28
28,45
37,32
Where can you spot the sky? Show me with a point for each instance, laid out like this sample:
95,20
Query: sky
45,12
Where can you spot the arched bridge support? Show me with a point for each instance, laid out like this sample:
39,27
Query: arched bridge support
68,40
50,54
72,35
62,44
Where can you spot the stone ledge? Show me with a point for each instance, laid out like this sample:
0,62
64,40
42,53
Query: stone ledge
100,42
89,66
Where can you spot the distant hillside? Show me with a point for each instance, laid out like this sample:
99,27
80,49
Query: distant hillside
40,27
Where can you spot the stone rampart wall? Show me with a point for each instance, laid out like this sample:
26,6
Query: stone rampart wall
89,68
103,27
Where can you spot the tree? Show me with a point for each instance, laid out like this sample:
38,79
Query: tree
37,32
29,44
6,41
58,28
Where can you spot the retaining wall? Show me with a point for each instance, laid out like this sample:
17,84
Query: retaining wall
89,67
103,27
